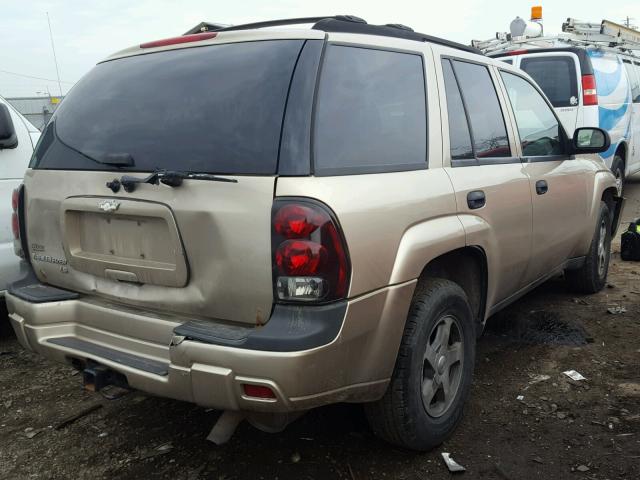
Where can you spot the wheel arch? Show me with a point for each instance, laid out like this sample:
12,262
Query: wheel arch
467,267
614,202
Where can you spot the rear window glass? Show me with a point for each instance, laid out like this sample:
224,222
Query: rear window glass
556,76
214,109
459,136
371,114
485,115
634,80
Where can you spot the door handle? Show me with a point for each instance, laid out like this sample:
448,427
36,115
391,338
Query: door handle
542,187
476,199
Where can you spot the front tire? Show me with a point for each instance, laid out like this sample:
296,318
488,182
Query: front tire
617,167
592,276
431,381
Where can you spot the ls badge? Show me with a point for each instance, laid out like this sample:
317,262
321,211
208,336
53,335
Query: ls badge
109,206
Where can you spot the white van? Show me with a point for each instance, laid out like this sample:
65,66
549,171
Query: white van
591,75
17,140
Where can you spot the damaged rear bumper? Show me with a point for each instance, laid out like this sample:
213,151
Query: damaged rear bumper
308,356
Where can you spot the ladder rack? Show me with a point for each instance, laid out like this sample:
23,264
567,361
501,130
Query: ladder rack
575,32
610,33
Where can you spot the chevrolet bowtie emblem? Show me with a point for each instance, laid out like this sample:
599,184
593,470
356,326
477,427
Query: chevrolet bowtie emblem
109,206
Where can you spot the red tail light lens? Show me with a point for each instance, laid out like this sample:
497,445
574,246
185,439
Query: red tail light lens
310,260
296,221
18,243
15,221
589,93
195,37
300,257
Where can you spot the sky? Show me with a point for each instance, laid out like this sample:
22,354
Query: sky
87,31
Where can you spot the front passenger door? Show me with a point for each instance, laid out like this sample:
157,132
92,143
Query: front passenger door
558,182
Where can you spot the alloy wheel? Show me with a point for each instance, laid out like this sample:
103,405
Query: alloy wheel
442,366
602,249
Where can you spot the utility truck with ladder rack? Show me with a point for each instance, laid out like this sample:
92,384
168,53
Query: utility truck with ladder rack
591,74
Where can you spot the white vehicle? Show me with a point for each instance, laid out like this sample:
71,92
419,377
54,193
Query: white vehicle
591,74
17,140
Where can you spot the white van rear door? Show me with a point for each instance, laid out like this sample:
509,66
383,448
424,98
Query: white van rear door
558,75
13,163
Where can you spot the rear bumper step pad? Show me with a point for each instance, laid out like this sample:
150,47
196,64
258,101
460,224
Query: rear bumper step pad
40,293
123,358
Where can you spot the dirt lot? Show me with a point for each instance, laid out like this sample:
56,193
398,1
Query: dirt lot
560,429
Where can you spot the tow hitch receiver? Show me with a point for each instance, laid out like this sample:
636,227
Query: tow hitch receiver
95,377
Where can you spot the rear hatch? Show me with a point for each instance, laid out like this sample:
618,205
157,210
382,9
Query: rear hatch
558,75
194,239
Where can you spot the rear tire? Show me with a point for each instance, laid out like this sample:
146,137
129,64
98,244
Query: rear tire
617,167
592,276
431,380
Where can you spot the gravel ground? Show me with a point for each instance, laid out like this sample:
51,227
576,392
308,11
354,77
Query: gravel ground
560,428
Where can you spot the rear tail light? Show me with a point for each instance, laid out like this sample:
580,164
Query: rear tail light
15,221
310,259
589,93
195,37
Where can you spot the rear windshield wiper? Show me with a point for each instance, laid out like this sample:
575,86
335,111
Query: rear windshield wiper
172,178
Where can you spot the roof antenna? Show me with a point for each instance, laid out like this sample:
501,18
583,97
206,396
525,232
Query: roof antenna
55,60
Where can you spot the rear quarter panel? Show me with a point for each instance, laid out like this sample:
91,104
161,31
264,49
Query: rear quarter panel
393,223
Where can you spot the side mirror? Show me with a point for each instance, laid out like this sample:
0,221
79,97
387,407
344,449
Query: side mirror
590,140
8,137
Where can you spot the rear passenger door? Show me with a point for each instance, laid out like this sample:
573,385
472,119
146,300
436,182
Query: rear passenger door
558,181
492,189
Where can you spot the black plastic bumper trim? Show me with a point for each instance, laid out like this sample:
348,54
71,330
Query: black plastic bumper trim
30,289
291,328
123,358
40,293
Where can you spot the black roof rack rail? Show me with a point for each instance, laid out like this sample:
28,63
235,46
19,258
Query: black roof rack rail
215,27
342,24
337,24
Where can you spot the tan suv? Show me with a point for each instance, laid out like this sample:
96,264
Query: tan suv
268,220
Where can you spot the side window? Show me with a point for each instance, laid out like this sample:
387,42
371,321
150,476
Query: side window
370,112
538,126
487,125
459,136
556,76
634,81
507,60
